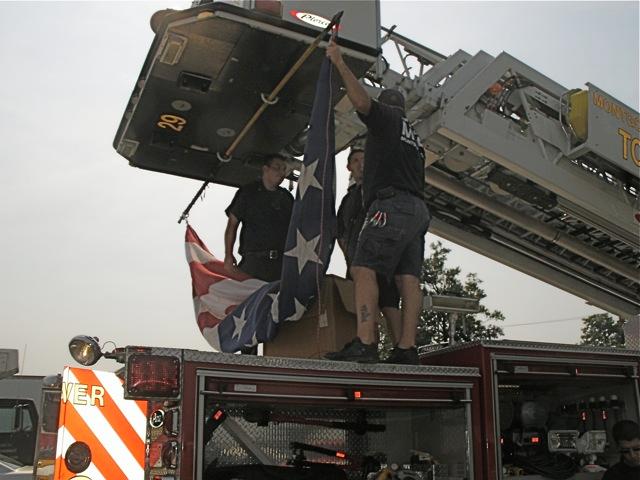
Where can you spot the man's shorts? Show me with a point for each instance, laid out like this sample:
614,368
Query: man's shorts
392,238
388,294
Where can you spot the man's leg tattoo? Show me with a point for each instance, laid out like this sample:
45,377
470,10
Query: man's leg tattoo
364,314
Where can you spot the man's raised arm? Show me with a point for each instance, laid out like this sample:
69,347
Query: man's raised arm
355,91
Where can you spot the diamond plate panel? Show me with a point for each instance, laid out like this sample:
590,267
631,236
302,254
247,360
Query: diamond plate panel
438,432
322,365
538,346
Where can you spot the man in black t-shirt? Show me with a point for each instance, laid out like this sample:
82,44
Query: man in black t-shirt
264,210
626,434
391,242
350,217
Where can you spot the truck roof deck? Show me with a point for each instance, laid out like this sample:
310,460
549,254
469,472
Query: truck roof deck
314,367
528,345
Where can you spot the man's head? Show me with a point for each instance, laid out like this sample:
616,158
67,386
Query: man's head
392,97
355,164
626,433
274,170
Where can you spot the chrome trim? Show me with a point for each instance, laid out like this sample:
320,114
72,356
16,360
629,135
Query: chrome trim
319,397
329,380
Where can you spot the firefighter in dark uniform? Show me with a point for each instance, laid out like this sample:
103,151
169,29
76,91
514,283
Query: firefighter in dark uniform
264,209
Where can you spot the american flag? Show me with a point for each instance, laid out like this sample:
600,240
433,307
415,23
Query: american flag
234,312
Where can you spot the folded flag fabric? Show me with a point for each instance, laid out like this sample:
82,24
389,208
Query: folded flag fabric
216,292
236,311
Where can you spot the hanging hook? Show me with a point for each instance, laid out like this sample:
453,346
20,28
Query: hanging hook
267,101
222,158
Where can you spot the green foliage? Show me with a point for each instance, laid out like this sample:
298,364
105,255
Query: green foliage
601,330
438,279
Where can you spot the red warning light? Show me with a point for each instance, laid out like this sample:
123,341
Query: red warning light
354,394
583,416
535,439
217,415
340,454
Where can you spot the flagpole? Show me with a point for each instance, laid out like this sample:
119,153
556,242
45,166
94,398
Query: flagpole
270,100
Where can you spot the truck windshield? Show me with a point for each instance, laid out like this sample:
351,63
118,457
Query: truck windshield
15,416
17,429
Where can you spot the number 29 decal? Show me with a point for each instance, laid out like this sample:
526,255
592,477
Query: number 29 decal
172,122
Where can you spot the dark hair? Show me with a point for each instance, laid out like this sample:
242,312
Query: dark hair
271,157
391,97
626,430
353,151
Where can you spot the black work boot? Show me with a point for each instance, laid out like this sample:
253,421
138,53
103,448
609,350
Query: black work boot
355,351
403,356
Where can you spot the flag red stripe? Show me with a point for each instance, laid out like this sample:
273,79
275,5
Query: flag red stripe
202,278
206,320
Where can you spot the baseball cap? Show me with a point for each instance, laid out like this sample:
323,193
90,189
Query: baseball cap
391,97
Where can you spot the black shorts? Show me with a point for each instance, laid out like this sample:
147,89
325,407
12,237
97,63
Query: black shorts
392,238
388,295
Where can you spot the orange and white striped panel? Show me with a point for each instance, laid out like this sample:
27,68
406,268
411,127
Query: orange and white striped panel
93,410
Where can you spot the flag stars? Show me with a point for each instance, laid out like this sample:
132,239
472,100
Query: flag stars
298,313
304,251
275,315
308,178
238,324
254,340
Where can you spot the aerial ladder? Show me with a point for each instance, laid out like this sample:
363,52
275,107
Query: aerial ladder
521,169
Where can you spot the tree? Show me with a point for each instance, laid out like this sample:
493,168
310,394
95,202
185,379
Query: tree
433,327
438,279
601,330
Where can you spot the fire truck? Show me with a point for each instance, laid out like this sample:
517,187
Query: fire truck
479,410
533,174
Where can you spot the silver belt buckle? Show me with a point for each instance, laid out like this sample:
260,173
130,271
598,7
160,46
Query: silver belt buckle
273,254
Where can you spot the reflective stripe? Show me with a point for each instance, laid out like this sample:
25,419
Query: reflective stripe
114,416
134,411
100,456
94,417
92,472
95,412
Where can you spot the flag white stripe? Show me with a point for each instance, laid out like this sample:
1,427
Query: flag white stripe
223,294
116,448
129,409
195,253
65,439
211,336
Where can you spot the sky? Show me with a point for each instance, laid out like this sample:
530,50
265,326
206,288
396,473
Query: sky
90,245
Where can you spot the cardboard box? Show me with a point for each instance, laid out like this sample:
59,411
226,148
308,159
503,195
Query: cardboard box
325,327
